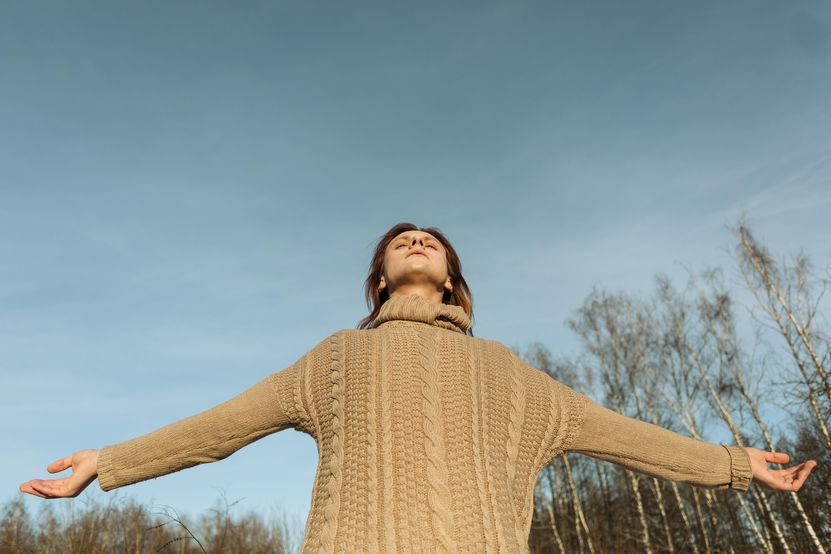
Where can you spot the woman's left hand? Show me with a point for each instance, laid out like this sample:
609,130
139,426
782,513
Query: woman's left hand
788,479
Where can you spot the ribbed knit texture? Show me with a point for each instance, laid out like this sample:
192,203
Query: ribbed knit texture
429,439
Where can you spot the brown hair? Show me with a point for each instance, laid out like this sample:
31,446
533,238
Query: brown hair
461,295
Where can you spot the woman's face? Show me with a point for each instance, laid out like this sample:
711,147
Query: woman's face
415,262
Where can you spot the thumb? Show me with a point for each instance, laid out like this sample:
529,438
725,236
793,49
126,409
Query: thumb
776,457
59,465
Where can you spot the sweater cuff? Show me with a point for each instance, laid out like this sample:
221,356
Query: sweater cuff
740,472
105,473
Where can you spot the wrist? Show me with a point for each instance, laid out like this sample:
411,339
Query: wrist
741,472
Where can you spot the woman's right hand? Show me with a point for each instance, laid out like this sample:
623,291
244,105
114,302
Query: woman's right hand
84,464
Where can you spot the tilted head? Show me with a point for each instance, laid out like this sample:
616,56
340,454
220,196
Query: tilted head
415,260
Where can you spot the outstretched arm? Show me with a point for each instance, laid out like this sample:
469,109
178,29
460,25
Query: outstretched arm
650,449
206,437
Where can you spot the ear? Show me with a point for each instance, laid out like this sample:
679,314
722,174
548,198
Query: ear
448,285
382,284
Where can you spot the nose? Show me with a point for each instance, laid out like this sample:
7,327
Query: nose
415,243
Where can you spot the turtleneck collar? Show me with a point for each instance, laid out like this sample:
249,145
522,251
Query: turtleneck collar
412,307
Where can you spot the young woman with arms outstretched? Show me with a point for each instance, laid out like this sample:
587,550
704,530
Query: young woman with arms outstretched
428,438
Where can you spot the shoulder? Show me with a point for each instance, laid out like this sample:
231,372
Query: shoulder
495,347
324,348
341,335
519,364
504,356
339,340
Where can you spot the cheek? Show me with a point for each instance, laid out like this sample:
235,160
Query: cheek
389,262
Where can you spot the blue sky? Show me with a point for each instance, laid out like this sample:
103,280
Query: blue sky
190,191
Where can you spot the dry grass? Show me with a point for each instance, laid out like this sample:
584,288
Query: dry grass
122,525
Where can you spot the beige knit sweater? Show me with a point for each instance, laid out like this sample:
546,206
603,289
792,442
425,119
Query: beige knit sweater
428,439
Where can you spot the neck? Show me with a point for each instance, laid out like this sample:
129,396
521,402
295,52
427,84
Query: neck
427,293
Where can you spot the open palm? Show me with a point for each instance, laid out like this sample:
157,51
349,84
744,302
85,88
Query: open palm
84,464
788,479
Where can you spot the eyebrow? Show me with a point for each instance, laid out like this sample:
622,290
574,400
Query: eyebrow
407,237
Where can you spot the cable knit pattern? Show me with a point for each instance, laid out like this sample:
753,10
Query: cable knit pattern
495,507
517,415
515,424
534,424
438,495
306,395
372,462
386,426
332,508
478,436
429,439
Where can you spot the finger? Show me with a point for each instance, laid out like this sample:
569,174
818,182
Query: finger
793,470
59,465
791,479
803,474
41,489
27,488
33,492
787,472
776,457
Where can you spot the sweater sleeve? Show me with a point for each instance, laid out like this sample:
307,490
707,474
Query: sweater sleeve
206,437
647,448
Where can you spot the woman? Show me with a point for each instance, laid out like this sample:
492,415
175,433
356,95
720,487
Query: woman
428,437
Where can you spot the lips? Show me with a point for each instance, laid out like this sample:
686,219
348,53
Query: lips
416,254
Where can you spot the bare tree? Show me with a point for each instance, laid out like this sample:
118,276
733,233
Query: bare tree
789,295
677,360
